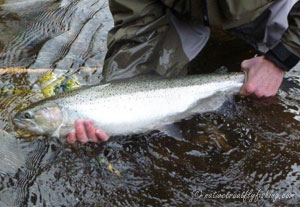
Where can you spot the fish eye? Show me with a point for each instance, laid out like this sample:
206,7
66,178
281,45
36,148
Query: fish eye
28,115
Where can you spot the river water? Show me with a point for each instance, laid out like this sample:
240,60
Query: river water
244,154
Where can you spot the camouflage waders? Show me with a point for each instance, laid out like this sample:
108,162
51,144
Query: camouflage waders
163,36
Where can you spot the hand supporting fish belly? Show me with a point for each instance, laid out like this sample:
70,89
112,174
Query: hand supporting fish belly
85,131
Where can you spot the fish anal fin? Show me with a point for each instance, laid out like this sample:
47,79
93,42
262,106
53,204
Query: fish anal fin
171,130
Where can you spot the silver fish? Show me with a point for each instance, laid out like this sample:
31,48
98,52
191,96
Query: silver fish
130,106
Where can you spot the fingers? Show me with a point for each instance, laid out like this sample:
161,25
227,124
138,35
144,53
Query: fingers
101,135
71,137
247,88
80,131
90,131
85,131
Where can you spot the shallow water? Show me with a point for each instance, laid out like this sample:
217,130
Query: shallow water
247,147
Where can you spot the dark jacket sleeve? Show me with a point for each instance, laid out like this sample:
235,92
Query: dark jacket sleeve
287,53
187,8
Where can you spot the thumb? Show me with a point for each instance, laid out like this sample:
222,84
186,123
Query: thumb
245,65
245,69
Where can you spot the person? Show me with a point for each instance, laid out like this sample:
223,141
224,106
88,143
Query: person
163,36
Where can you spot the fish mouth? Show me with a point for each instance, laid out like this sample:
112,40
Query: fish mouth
22,128
22,123
18,122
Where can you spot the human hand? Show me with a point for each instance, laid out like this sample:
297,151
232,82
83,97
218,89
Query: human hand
85,131
263,78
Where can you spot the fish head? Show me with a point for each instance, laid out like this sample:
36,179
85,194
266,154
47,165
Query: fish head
42,119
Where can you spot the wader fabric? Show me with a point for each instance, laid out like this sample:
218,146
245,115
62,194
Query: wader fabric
164,35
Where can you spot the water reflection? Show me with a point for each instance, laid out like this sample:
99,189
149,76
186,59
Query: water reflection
54,34
247,146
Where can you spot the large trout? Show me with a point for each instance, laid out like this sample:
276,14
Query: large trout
130,106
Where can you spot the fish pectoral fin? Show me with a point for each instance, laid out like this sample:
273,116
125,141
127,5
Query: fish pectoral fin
55,134
171,130
62,131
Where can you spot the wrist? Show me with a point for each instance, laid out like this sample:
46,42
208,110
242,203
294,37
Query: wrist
282,57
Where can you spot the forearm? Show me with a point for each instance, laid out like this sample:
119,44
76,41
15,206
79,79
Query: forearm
291,39
287,53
